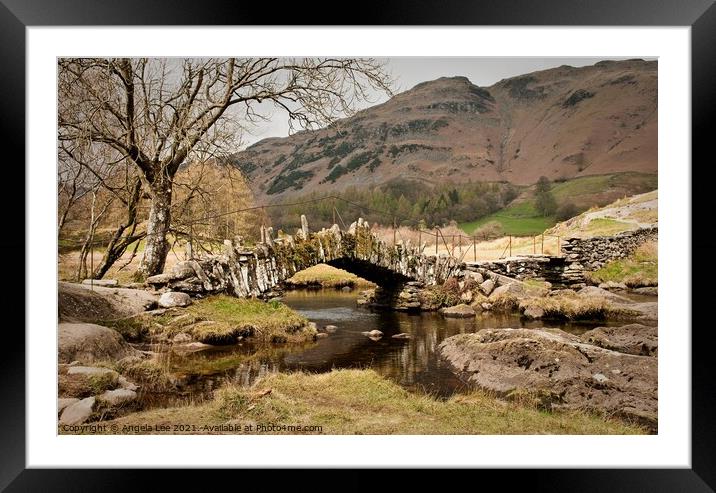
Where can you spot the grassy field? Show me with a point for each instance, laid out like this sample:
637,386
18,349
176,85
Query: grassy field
521,219
517,220
327,277
361,402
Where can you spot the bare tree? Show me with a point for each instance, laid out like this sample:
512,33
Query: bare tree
159,114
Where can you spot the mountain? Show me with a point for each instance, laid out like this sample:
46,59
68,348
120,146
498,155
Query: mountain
562,123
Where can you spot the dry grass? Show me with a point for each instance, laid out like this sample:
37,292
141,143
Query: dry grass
325,276
362,402
575,307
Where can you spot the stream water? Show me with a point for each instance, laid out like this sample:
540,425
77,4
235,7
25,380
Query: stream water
413,363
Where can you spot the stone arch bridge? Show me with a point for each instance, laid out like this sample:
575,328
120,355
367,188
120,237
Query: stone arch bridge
257,271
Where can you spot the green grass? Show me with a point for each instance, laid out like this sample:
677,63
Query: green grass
639,269
521,218
272,321
221,319
517,220
363,402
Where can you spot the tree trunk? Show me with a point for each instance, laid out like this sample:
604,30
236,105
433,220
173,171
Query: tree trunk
118,243
156,244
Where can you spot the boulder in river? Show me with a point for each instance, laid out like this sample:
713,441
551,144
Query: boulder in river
458,311
330,328
373,333
402,335
550,362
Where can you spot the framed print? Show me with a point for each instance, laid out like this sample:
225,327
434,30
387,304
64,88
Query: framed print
297,238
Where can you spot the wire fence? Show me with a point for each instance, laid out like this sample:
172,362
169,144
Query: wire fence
461,246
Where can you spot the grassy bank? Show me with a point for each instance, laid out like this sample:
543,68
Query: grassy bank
641,268
222,319
325,276
359,402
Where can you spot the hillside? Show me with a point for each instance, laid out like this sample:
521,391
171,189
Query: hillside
638,211
562,123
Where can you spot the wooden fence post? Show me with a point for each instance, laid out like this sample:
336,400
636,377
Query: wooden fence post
474,247
436,242
542,243
534,245
510,245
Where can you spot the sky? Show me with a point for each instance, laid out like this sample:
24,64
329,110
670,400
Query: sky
409,71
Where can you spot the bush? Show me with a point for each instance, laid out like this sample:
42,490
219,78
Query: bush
490,231
566,211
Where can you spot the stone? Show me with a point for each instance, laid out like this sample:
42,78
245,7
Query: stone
159,279
117,397
330,328
107,283
467,296
402,335
630,339
599,378
182,270
557,365
63,402
647,291
181,338
373,333
534,312
458,311
126,384
171,299
613,286
92,371
487,287
78,413
486,306
321,335
90,342
595,292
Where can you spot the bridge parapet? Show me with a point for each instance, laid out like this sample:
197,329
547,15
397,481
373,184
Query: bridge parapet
255,271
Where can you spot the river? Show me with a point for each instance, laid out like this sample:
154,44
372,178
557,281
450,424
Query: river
413,363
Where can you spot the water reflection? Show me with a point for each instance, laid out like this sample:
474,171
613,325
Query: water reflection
413,363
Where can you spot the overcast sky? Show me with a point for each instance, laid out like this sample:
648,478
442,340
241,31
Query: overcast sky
409,71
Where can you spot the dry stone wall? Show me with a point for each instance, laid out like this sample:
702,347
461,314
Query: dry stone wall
593,253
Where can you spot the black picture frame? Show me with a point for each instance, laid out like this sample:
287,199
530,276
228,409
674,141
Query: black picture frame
700,15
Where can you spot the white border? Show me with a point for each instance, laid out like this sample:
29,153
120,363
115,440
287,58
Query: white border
671,448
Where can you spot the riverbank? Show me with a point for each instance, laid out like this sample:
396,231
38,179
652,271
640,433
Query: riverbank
327,277
353,402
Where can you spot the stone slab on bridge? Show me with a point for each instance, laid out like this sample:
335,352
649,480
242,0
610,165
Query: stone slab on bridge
253,272
258,270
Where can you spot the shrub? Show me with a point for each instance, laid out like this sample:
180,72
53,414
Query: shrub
566,211
490,231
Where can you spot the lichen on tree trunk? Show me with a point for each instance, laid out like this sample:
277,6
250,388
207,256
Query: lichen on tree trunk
156,244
